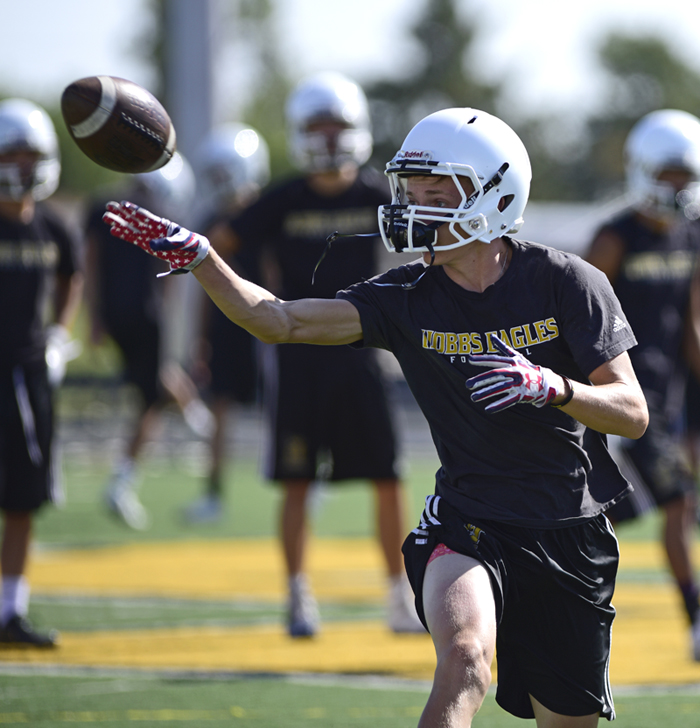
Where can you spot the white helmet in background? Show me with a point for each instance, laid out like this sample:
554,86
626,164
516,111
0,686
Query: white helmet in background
667,139
328,97
231,164
170,190
26,126
458,143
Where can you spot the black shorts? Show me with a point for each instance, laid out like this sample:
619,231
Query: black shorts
329,412
28,477
233,362
139,342
553,590
657,467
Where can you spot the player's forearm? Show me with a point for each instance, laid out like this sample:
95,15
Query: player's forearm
617,408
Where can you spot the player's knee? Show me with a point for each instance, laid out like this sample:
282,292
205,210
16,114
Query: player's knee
468,660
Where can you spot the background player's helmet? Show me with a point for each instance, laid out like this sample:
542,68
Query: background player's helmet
328,97
458,143
663,140
26,126
168,191
231,164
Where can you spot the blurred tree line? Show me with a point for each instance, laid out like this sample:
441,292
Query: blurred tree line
642,74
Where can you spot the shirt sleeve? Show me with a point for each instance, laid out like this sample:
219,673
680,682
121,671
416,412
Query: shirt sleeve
595,326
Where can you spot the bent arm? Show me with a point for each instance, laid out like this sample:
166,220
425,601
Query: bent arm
606,253
273,321
613,403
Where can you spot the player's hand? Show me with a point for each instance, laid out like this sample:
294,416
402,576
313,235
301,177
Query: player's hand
181,249
60,349
513,376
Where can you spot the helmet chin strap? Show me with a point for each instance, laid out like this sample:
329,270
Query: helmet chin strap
407,286
330,240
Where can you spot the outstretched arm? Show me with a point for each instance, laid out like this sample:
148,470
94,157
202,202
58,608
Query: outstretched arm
309,321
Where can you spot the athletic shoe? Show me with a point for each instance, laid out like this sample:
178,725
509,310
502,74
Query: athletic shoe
199,418
206,509
695,637
303,614
19,632
403,618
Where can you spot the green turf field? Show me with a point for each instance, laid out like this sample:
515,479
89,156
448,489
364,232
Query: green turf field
180,645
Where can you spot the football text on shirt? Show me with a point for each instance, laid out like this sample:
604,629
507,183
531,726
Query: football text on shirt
462,344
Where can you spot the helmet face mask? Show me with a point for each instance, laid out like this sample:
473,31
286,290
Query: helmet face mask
328,100
464,145
25,127
662,147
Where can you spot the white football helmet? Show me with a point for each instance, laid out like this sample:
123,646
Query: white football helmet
328,97
231,164
169,190
26,126
664,140
458,143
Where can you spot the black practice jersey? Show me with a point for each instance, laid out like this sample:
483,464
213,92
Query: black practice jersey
525,465
653,285
293,222
128,287
30,256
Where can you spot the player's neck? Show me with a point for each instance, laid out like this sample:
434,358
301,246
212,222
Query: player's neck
333,182
18,210
478,265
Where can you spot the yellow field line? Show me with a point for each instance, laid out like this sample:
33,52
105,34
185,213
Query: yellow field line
650,637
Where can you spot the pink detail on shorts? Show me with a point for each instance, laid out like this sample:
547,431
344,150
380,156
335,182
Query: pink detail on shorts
440,550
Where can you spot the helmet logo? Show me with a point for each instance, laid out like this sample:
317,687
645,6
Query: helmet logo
414,154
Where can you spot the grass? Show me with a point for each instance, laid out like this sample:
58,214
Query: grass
153,700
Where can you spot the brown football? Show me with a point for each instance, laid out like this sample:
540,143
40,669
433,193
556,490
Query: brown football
118,124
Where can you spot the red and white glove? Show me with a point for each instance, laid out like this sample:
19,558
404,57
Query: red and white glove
181,249
513,376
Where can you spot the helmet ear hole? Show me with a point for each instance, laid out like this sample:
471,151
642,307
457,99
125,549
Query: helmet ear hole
504,202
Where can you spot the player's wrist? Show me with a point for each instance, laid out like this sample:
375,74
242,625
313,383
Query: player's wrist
566,394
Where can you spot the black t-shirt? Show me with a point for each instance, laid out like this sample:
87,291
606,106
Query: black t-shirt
128,287
525,465
30,256
293,221
653,286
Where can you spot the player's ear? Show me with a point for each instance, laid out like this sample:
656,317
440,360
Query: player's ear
504,202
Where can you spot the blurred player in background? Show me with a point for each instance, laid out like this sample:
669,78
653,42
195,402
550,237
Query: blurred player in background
329,410
39,271
650,253
231,166
126,302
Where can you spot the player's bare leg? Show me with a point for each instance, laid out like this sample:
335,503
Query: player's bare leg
209,507
545,718
461,613
16,536
391,527
14,627
303,610
678,534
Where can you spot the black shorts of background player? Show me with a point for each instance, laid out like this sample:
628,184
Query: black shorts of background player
39,271
517,355
127,302
649,253
231,165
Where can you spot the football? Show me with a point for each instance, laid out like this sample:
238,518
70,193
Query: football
118,124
